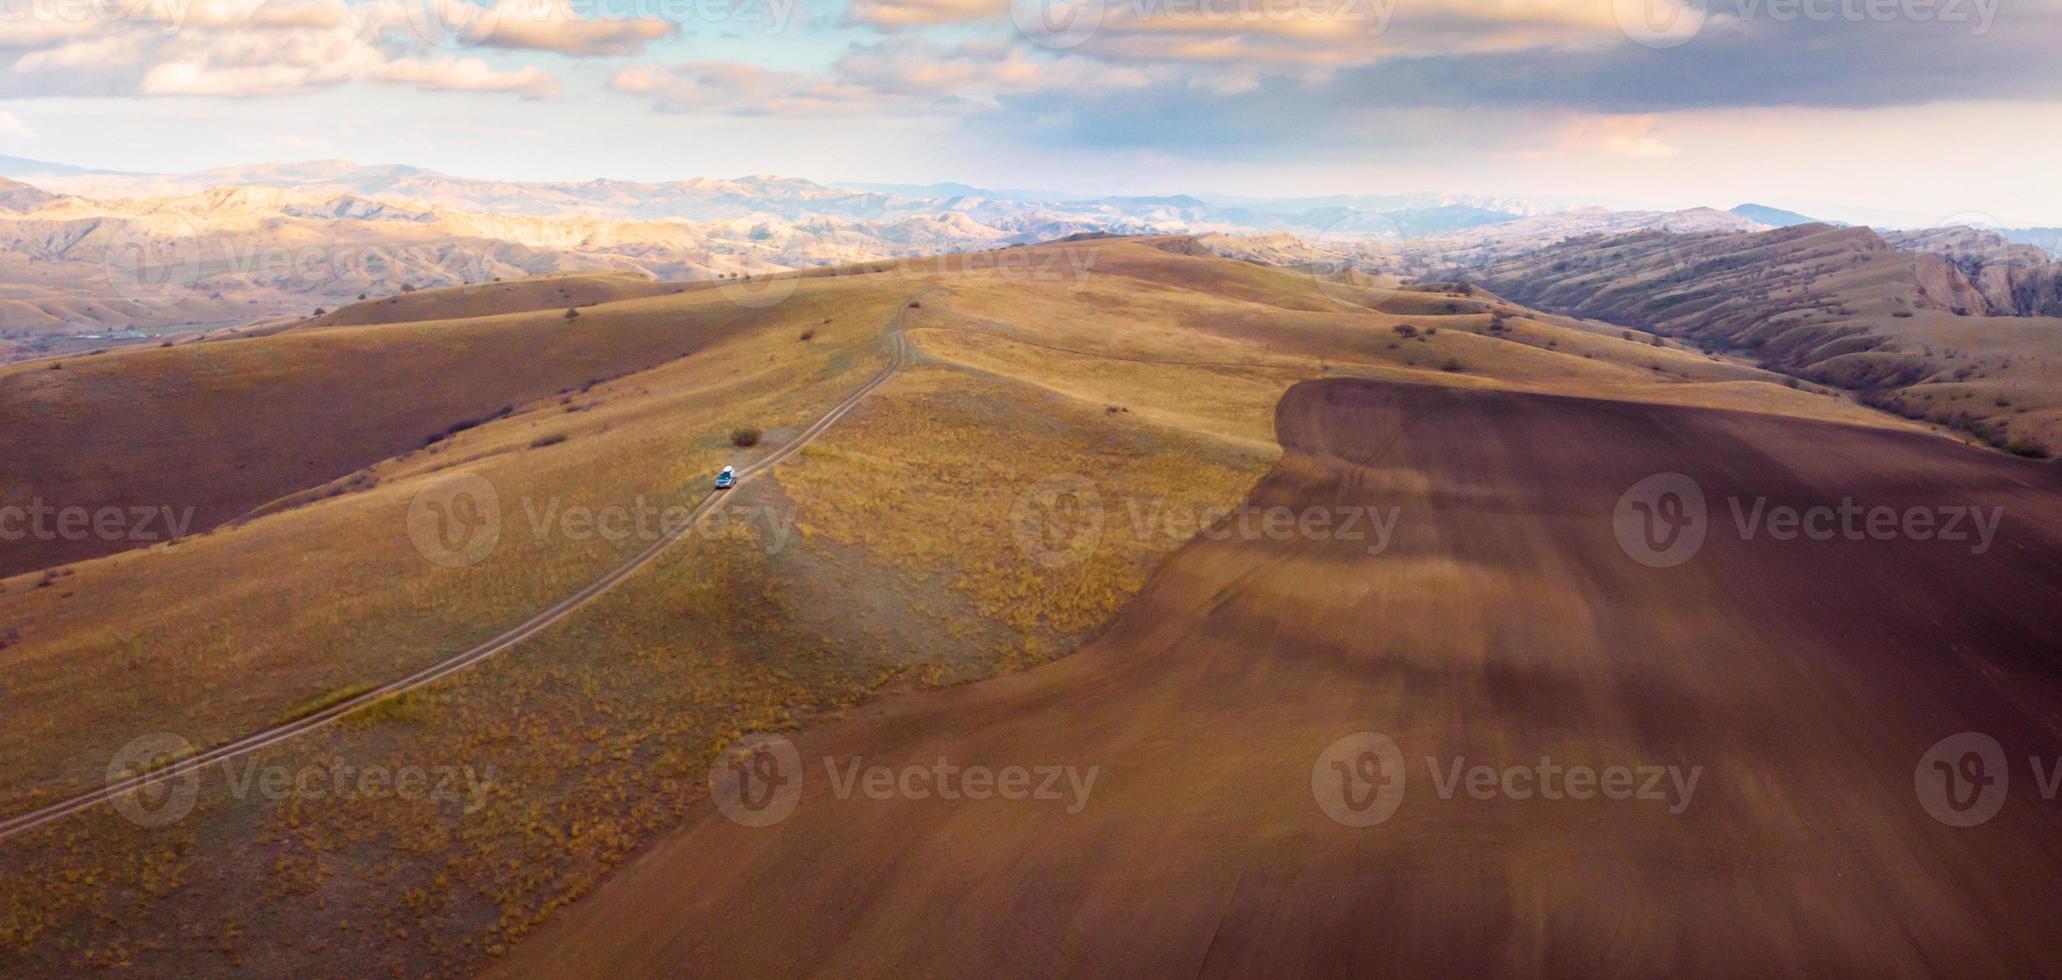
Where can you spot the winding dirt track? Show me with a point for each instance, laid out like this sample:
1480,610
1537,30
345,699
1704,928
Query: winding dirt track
1503,623
548,617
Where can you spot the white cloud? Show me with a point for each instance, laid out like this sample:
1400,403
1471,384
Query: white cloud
12,127
899,76
551,25
251,48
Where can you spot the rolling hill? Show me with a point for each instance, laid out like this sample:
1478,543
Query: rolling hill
1147,371
1910,331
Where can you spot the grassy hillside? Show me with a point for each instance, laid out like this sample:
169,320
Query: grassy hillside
1835,305
217,430
491,298
889,554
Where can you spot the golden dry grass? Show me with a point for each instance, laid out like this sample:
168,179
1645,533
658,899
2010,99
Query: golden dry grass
1151,383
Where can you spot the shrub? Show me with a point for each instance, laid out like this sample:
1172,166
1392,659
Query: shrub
1452,365
460,426
808,335
572,314
1406,331
550,440
2027,448
744,438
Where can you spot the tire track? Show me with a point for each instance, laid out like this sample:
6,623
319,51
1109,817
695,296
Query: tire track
550,616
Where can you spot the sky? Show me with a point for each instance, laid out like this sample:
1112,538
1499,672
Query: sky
1906,112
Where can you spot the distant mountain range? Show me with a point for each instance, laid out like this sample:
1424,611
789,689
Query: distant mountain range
93,253
1779,218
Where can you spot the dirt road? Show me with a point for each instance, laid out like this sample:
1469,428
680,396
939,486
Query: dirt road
898,346
1772,703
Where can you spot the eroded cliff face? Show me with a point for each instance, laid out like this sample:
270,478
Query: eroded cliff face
1942,286
2012,279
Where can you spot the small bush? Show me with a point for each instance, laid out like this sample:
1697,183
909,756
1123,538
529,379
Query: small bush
2027,448
1405,330
551,440
572,314
744,438
1451,365
461,426
808,335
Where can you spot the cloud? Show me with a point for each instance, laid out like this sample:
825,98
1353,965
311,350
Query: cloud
899,14
903,76
11,126
552,25
252,48
739,89
1620,136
